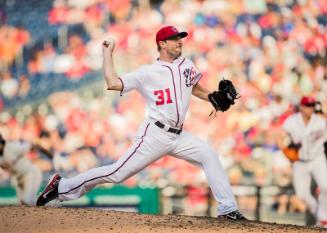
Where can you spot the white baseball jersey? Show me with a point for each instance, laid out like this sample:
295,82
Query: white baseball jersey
311,136
27,177
167,89
313,162
13,158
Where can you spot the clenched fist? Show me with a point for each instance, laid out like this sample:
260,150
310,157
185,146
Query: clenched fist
108,45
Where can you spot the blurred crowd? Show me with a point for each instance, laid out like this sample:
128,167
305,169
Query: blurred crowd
273,50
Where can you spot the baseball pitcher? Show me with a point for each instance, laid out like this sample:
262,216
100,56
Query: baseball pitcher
167,85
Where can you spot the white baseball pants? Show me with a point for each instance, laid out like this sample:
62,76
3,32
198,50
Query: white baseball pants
302,173
28,185
152,143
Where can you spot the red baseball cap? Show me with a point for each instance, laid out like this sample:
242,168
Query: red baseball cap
307,100
168,32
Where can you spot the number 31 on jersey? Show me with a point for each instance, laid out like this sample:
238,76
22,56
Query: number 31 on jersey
163,96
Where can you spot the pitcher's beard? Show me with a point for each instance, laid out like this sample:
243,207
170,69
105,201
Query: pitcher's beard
175,55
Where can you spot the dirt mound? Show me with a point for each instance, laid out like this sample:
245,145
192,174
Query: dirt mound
32,219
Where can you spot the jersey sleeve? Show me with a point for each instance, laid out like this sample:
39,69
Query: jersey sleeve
131,81
15,149
197,75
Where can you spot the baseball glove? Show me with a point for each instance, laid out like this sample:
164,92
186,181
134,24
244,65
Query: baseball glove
224,97
292,151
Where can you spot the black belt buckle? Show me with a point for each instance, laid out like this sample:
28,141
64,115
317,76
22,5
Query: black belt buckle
176,131
171,130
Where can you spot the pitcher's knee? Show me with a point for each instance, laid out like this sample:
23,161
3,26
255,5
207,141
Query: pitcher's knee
116,178
209,155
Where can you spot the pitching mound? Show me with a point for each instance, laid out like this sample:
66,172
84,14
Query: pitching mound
64,220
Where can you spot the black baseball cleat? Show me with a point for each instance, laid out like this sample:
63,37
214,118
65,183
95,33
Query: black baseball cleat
234,215
50,192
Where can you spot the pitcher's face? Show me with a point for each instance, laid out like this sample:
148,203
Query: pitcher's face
174,46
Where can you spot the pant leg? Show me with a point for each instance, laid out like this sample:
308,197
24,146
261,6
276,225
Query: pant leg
319,171
18,188
32,182
198,152
148,147
301,183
